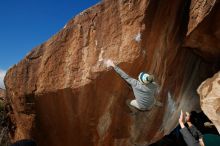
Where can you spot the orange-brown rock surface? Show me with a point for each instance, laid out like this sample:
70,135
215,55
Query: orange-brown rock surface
2,93
62,94
204,40
210,99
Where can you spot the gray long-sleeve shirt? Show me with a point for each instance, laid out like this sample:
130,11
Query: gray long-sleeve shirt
144,94
191,136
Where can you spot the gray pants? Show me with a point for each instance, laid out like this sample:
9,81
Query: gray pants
136,105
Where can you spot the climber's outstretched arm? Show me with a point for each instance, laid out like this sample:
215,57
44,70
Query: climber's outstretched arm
126,77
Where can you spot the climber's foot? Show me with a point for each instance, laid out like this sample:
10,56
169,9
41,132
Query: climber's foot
133,110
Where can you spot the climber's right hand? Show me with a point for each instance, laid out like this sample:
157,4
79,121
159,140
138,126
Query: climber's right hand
109,63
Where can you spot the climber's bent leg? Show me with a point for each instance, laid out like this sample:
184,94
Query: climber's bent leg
135,104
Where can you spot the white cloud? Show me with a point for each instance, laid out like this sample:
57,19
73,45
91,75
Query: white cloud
2,75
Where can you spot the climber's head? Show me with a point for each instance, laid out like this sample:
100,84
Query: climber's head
145,78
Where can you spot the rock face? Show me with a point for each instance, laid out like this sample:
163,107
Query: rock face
4,137
2,93
210,99
62,94
204,40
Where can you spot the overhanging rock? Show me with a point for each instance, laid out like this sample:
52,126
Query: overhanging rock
62,94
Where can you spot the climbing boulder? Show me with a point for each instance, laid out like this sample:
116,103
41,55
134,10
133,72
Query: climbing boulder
61,93
209,92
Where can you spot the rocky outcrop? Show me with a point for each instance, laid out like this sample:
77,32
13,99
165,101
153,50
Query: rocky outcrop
2,93
62,94
2,98
204,38
199,9
210,99
4,139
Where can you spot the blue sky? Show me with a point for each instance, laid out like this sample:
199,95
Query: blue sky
25,24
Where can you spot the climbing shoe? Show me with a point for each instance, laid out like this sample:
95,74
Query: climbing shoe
133,110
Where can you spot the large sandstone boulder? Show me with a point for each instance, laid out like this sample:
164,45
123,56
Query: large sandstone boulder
209,92
62,94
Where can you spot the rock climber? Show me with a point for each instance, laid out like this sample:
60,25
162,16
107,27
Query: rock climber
191,135
145,89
